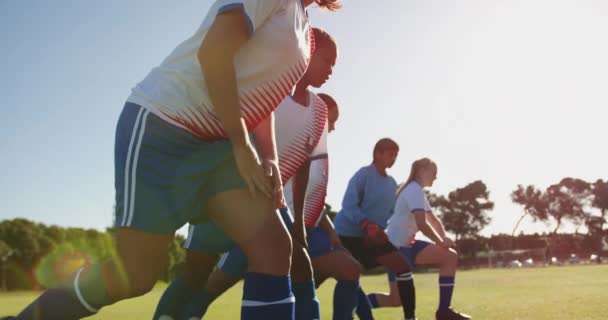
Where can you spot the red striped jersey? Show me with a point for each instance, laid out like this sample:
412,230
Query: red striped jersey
267,67
298,130
316,190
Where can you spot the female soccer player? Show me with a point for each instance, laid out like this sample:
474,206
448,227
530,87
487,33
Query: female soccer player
183,154
413,213
366,207
301,123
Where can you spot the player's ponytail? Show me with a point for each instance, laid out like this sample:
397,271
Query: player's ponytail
417,166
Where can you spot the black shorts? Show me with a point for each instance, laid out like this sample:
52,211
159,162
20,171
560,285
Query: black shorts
366,254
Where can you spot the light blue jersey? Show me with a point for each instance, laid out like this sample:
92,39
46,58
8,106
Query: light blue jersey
370,196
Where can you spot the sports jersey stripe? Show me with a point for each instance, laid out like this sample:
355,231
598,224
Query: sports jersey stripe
256,104
270,94
248,106
266,104
276,92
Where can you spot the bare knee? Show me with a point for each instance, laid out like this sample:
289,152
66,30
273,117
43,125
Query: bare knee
348,271
394,300
270,247
301,267
451,259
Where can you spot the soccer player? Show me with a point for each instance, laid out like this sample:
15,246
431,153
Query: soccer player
183,154
328,257
233,264
413,213
301,124
366,207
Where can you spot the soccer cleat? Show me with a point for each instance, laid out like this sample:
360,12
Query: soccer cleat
451,314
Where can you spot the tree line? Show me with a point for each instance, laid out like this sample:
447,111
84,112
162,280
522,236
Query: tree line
34,255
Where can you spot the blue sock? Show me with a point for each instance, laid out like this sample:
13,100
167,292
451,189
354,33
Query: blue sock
373,300
79,298
307,304
171,303
446,288
345,299
364,306
197,305
267,297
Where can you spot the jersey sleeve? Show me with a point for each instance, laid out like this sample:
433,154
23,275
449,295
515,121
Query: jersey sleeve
258,11
353,197
415,199
427,205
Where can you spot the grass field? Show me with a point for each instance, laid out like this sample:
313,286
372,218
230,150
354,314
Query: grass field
574,292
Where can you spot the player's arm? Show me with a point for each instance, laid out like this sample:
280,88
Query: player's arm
425,227
436,224
300,183
229,32
353,197
264,137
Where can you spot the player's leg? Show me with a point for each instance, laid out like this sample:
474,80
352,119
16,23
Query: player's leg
390,299
447,260
203,245
259,232
231,268
340,265
139,262
307,304
396,262
143,229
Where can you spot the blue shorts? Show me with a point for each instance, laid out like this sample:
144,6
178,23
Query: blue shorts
209,238
410,254
164,175
318,242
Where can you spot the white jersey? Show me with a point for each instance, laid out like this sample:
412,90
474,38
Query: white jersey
298,130
316,190
267,67
402,227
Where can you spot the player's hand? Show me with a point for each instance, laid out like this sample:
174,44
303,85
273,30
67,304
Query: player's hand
450,242
251,170
373,233
447,243
271,169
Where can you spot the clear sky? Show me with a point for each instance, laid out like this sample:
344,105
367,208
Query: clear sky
509,92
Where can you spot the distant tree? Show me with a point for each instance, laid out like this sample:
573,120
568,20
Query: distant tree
533,202
4,249
177,257
566,200
599,190
464,210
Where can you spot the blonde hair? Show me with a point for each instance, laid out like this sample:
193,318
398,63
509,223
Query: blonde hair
331,5
417,166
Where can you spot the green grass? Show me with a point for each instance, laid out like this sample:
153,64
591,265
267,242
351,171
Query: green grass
579,292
